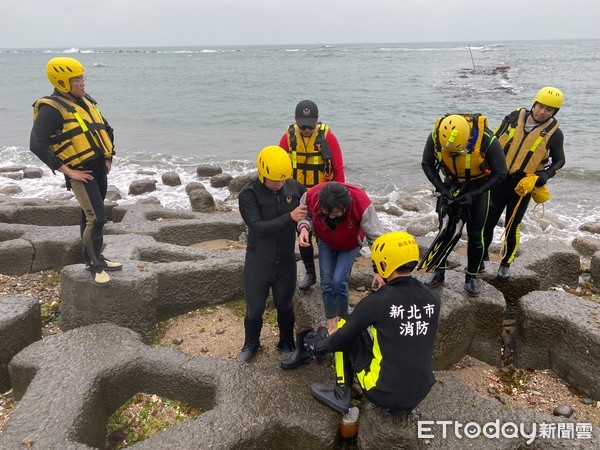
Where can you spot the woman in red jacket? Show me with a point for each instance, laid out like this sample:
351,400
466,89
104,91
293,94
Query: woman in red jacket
343,218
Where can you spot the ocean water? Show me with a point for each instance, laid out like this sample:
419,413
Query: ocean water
174,108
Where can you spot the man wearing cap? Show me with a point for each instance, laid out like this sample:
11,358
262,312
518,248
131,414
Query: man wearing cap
316,158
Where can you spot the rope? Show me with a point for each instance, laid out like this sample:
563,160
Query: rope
504,236
543,211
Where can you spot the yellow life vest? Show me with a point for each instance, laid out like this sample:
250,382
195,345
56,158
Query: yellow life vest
470,164
525,153
83,137
311,160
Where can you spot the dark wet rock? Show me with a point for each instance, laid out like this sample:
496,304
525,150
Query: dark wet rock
12,175
177,341
592,227
560,331
422,226
393,210
142,186
595,269
219,331
587,401
586,246
145,172
20,326
193,186
238,183
151,200
11,189
563,410
171,179
33,172
408,204
12,168
113,193
220,180
207,170
202,201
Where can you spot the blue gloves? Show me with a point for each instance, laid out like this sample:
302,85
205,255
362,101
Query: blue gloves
312,339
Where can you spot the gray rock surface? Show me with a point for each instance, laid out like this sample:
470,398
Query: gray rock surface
20,326
69,384
32,172
11,189
587,245
221,180
592,227
139,187
595,269
194,185
207,170
202,201
238,183
171,179
560,331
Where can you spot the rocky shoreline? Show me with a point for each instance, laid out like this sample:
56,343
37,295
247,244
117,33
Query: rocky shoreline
165,275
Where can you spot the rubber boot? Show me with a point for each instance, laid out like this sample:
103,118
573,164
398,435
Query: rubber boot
504,272
308,258
300,355
338,397
436,279
472,286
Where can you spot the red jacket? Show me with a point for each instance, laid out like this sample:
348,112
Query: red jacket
348,233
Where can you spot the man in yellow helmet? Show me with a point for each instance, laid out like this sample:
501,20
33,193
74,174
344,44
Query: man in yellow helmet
469,156
388,339
316,158
270,207
533,145
70,135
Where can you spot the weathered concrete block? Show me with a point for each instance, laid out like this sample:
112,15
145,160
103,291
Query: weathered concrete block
207,170
139,187
595,269
49,216
244,406
202,201
171,179
17,257
20,326
452,400
220,180
130,300
560,331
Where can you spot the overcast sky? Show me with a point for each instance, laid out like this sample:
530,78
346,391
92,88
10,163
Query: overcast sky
136,23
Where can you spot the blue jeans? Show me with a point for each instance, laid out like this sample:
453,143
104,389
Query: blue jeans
334,269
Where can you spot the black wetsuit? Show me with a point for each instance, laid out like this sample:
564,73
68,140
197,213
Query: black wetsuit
270,257
403,316
477,210
503,195
90,195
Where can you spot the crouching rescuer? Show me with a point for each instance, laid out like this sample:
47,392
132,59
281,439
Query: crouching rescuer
387,341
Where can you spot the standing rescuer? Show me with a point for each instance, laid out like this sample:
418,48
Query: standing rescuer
270,207
70,135
533,146
316,158
470,158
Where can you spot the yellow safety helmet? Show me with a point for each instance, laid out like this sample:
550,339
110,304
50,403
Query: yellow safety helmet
454,132
273,163
62,69
393,250
549,96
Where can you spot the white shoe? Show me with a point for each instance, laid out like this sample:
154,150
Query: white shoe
111,265
102,278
